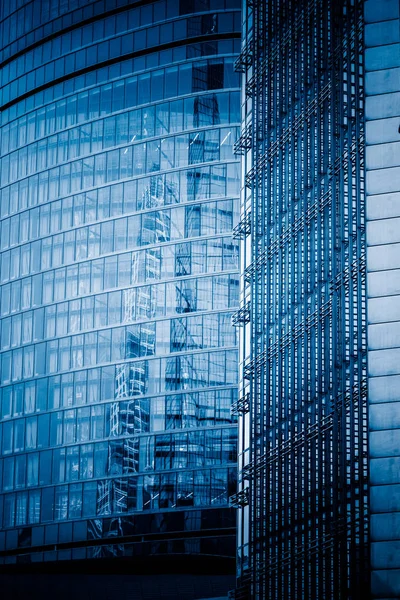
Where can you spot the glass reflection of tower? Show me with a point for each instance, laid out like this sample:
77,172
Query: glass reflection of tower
119,189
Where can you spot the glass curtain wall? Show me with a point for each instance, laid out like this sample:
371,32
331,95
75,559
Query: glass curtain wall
118,193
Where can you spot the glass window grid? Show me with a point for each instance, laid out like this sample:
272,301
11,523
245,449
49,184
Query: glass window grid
117,235
68,391
82,529
67,62
98,497
173,187
183,409
86,350
61,45
217,323
30,128
80,315
146,265
206,369
202,369
27,293
119,72
29,20
160,156
70,437
71,432
44,76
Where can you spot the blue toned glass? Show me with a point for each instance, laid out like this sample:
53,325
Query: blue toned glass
112,304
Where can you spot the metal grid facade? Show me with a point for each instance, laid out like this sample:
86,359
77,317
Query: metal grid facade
302,496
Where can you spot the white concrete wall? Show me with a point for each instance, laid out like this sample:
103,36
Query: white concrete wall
382,84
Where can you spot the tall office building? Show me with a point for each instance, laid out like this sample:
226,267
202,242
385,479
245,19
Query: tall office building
119,190
303,466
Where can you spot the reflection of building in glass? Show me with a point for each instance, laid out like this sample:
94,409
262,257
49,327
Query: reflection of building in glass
118,194
302,497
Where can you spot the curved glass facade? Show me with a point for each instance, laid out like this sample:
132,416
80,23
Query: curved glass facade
119,275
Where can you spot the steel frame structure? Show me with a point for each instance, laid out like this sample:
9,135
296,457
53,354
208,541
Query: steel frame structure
302,498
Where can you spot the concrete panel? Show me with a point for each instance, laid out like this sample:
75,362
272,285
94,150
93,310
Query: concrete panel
384,310
383,444
383,206
384,416
383,283
384,389
385,527
379,34
382,130
385,555
381,156
381,107
385,498
383,181
385,470
384,335
380,11
384,362
382,82
385,584
385,231
382,258
382,57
